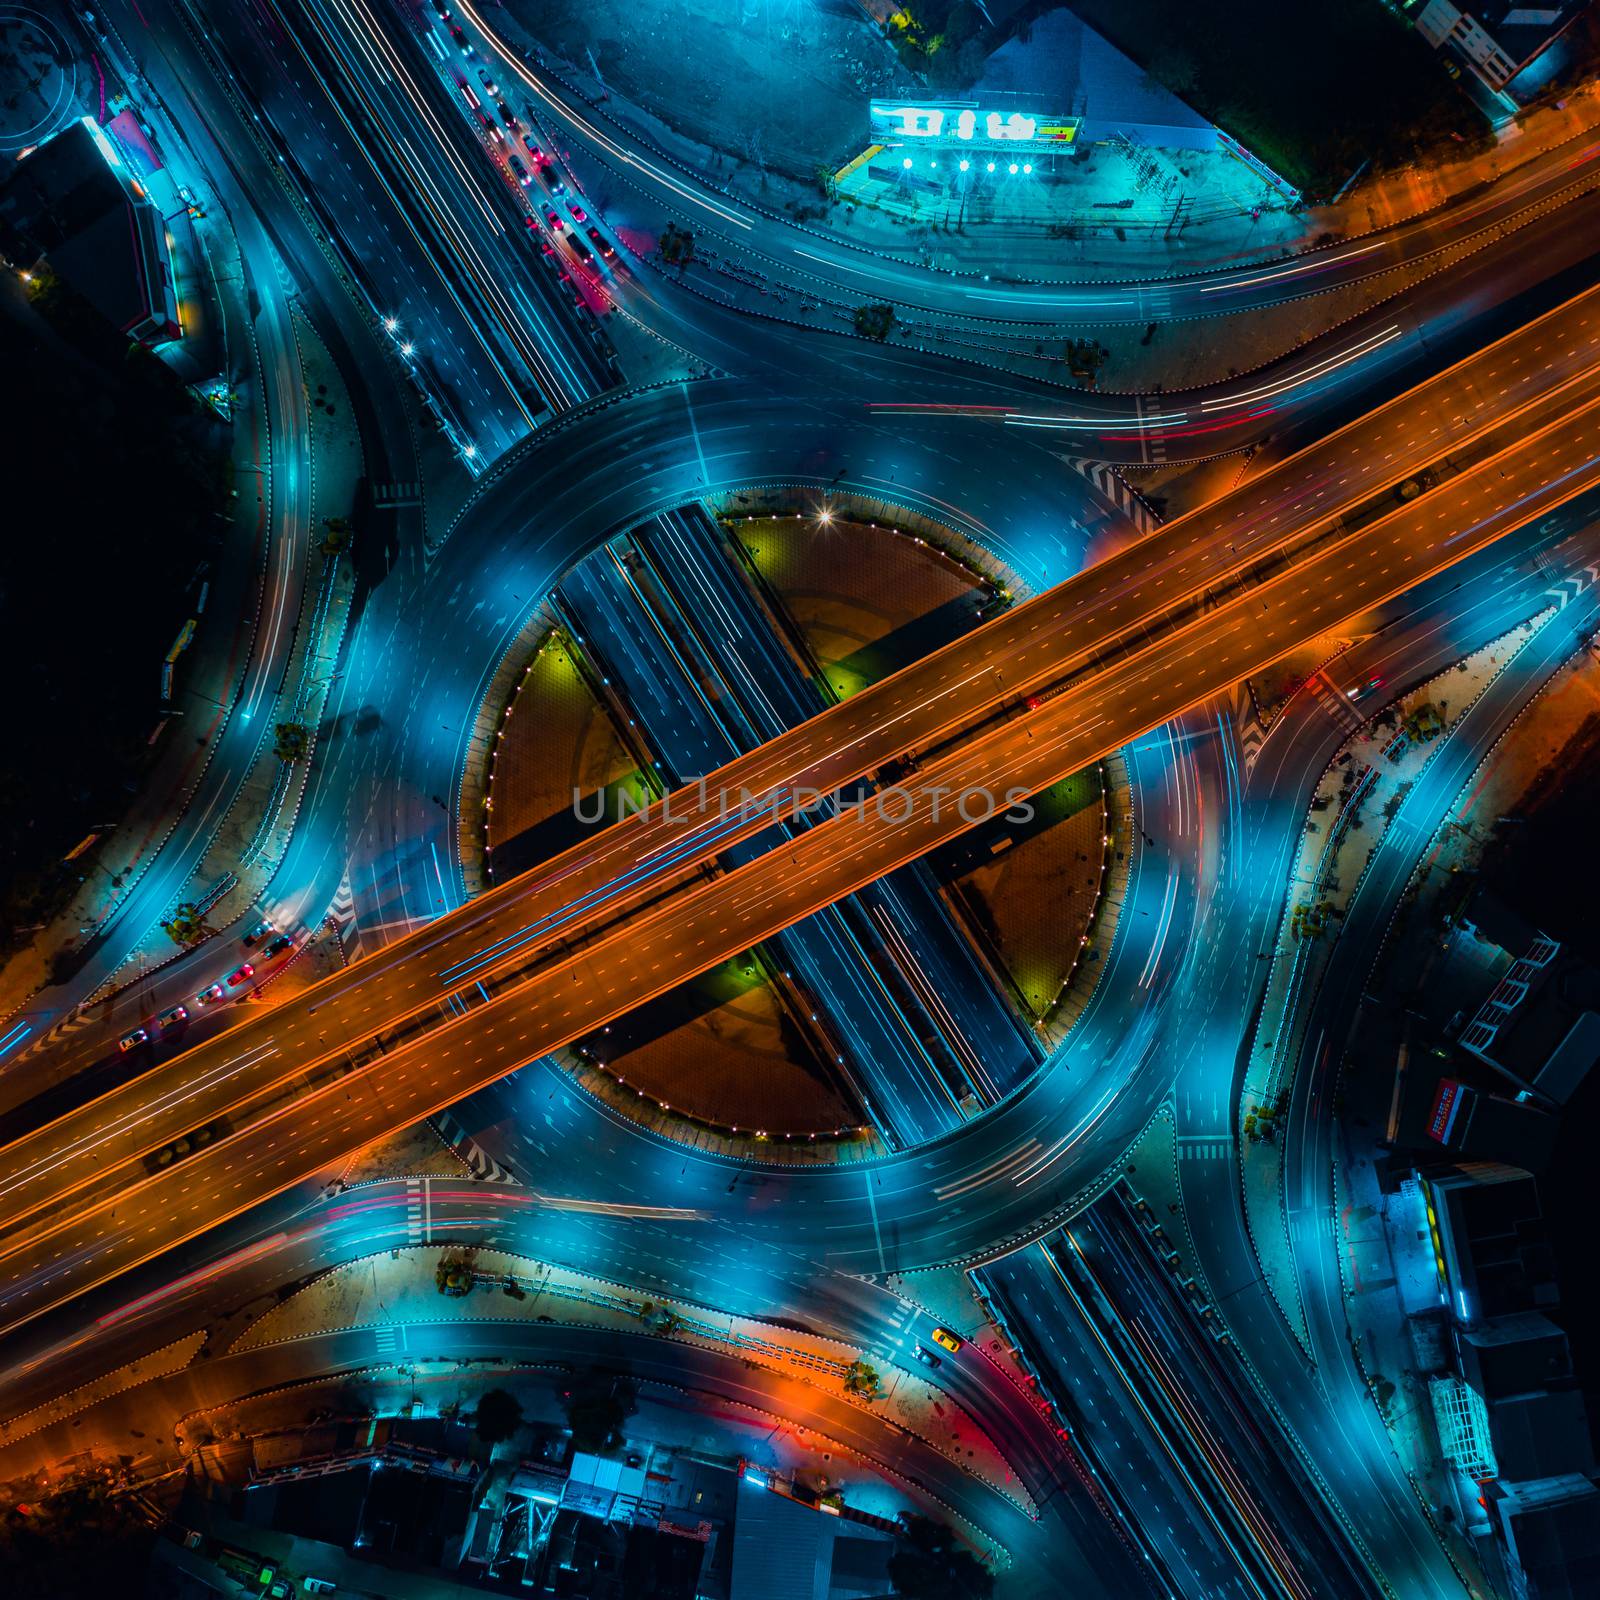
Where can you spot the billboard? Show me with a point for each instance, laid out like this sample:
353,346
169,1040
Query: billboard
1449,1101
966,122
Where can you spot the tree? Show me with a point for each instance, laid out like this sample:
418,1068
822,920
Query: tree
676,245
874,322
659,1319
84,1540
597,1405
1085,358
498,1416
931,1564
336,536
453,1276
291,741
187,925
862,1379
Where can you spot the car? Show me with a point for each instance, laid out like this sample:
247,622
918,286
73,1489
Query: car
602,244
258,933
518,171
551,178
443,8
488,83
206,996
241,975
278,945
582,251
463,43
579,214
555,219
507,115
533,149
925,1355
171,1019
950,1341
1363,689
132,1041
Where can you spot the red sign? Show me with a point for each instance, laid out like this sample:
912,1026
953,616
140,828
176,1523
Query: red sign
1447,1103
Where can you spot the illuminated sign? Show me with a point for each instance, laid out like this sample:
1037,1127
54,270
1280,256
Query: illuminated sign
1448,1102
961,122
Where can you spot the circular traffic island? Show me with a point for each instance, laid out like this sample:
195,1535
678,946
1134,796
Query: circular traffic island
903,1009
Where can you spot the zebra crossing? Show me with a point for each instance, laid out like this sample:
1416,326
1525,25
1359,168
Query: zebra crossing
397,496
1153,445
1336,705
482,1165
1203,1147
1114,487
418,1210
1307,1225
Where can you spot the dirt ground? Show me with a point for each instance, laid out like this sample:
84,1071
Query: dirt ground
782,84
868,603
558,741
1032,890
722,1049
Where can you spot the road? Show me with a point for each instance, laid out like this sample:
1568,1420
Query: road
1505,435
824,263
312,1047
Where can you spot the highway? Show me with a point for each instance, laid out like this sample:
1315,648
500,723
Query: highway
368,190
1130,1360
705,676
1113,425
1142,686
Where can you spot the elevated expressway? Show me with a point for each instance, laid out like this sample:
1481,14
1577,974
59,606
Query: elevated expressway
1039,692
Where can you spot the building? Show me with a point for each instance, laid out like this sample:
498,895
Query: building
1499,41
74,204
1510,1414
1066,64
785,1548
1539,1027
